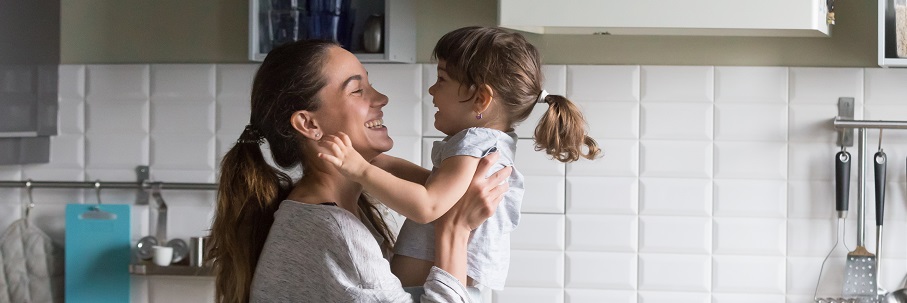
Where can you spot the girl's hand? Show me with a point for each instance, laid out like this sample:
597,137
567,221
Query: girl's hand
481,198
342,154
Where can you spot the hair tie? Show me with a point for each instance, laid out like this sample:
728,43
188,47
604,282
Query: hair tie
250,135
542,96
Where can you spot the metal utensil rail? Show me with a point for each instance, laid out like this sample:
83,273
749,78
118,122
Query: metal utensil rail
845,125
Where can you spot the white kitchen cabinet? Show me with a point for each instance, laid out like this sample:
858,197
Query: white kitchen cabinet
787,18
398,37
887,36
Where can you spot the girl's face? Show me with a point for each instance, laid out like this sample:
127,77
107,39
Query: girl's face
454,101
350,104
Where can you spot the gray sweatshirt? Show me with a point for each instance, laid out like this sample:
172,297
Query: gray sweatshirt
323,253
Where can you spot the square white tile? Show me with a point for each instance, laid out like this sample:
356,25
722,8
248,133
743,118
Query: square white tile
182,81
666,272
611,120
71,116
751,84
677,83
603,83
884,85
608,233
539,232
526,128
116,151
528,295
815,161
536,269
750,236
71,84
196,117
814,122
602,195
822,85
544,194
814,237
751,160
676,121
574,295
113,81
662,234
734,122
601,270
531,162
751,198
109,116
748,274
675,196
554,79
182,152
681,159
619,158
235,80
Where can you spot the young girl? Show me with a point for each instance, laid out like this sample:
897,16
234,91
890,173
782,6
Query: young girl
488,81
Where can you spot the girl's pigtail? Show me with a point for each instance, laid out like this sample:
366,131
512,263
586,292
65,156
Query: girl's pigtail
561,132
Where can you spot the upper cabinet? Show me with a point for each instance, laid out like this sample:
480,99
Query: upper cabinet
785,18
373,30
892,33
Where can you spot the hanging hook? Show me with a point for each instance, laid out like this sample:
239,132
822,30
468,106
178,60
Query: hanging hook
31,201
97,188
880,139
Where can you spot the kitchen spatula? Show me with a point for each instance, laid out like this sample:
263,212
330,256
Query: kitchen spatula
860,272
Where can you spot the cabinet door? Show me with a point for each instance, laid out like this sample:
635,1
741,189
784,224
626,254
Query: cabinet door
392,21
654,17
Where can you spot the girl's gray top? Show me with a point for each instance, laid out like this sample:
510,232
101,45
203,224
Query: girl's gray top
488,251
323,253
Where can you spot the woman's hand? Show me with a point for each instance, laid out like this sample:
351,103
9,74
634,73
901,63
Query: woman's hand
481,198
452,230
342,154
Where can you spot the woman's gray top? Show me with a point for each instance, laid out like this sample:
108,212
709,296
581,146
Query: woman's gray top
323,253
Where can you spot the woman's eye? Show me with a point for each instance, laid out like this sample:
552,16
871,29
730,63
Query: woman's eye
358,91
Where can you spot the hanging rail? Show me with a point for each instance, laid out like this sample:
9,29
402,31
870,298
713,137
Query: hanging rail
876,124
104,184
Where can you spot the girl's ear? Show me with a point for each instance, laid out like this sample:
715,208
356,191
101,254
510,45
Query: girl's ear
304,123
484,96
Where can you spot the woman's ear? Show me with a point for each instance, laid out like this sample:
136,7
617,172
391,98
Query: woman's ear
484,96
304,123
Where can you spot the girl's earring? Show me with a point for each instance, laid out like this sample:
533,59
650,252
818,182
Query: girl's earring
479,116
317,136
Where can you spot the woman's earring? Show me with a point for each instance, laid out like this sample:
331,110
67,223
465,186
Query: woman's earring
479,116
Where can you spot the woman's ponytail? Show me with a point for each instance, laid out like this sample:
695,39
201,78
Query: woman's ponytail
248,195
561,132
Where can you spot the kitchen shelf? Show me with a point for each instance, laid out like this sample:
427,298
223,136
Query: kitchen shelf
398,35
888,60
151,269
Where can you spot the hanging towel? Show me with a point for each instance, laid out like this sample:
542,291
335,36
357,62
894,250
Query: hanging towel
32,266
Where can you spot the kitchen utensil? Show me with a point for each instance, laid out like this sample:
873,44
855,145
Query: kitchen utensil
143,247
97,254
880,163
180,250
842,193
859,269
899,295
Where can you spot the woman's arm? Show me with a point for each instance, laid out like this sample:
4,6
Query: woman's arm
417,202
452,230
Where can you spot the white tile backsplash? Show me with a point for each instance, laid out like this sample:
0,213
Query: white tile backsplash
715,183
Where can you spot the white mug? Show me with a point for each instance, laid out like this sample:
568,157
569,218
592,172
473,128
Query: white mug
162,255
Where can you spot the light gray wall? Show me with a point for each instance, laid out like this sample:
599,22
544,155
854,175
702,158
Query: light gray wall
215,31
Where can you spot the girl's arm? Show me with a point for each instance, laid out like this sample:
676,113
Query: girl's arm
401,168
416,202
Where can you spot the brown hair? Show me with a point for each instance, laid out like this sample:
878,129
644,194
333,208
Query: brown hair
510,65
250,189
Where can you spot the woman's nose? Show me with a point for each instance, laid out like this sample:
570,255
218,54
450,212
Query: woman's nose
379,99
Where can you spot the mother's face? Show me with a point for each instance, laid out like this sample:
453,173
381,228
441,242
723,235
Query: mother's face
350,104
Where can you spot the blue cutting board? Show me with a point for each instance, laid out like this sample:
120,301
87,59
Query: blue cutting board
97,254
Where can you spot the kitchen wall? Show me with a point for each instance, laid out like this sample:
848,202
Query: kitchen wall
216,31
715,186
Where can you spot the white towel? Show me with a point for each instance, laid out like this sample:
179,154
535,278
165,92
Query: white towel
32,266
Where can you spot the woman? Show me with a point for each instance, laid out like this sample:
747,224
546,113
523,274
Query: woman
320,239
